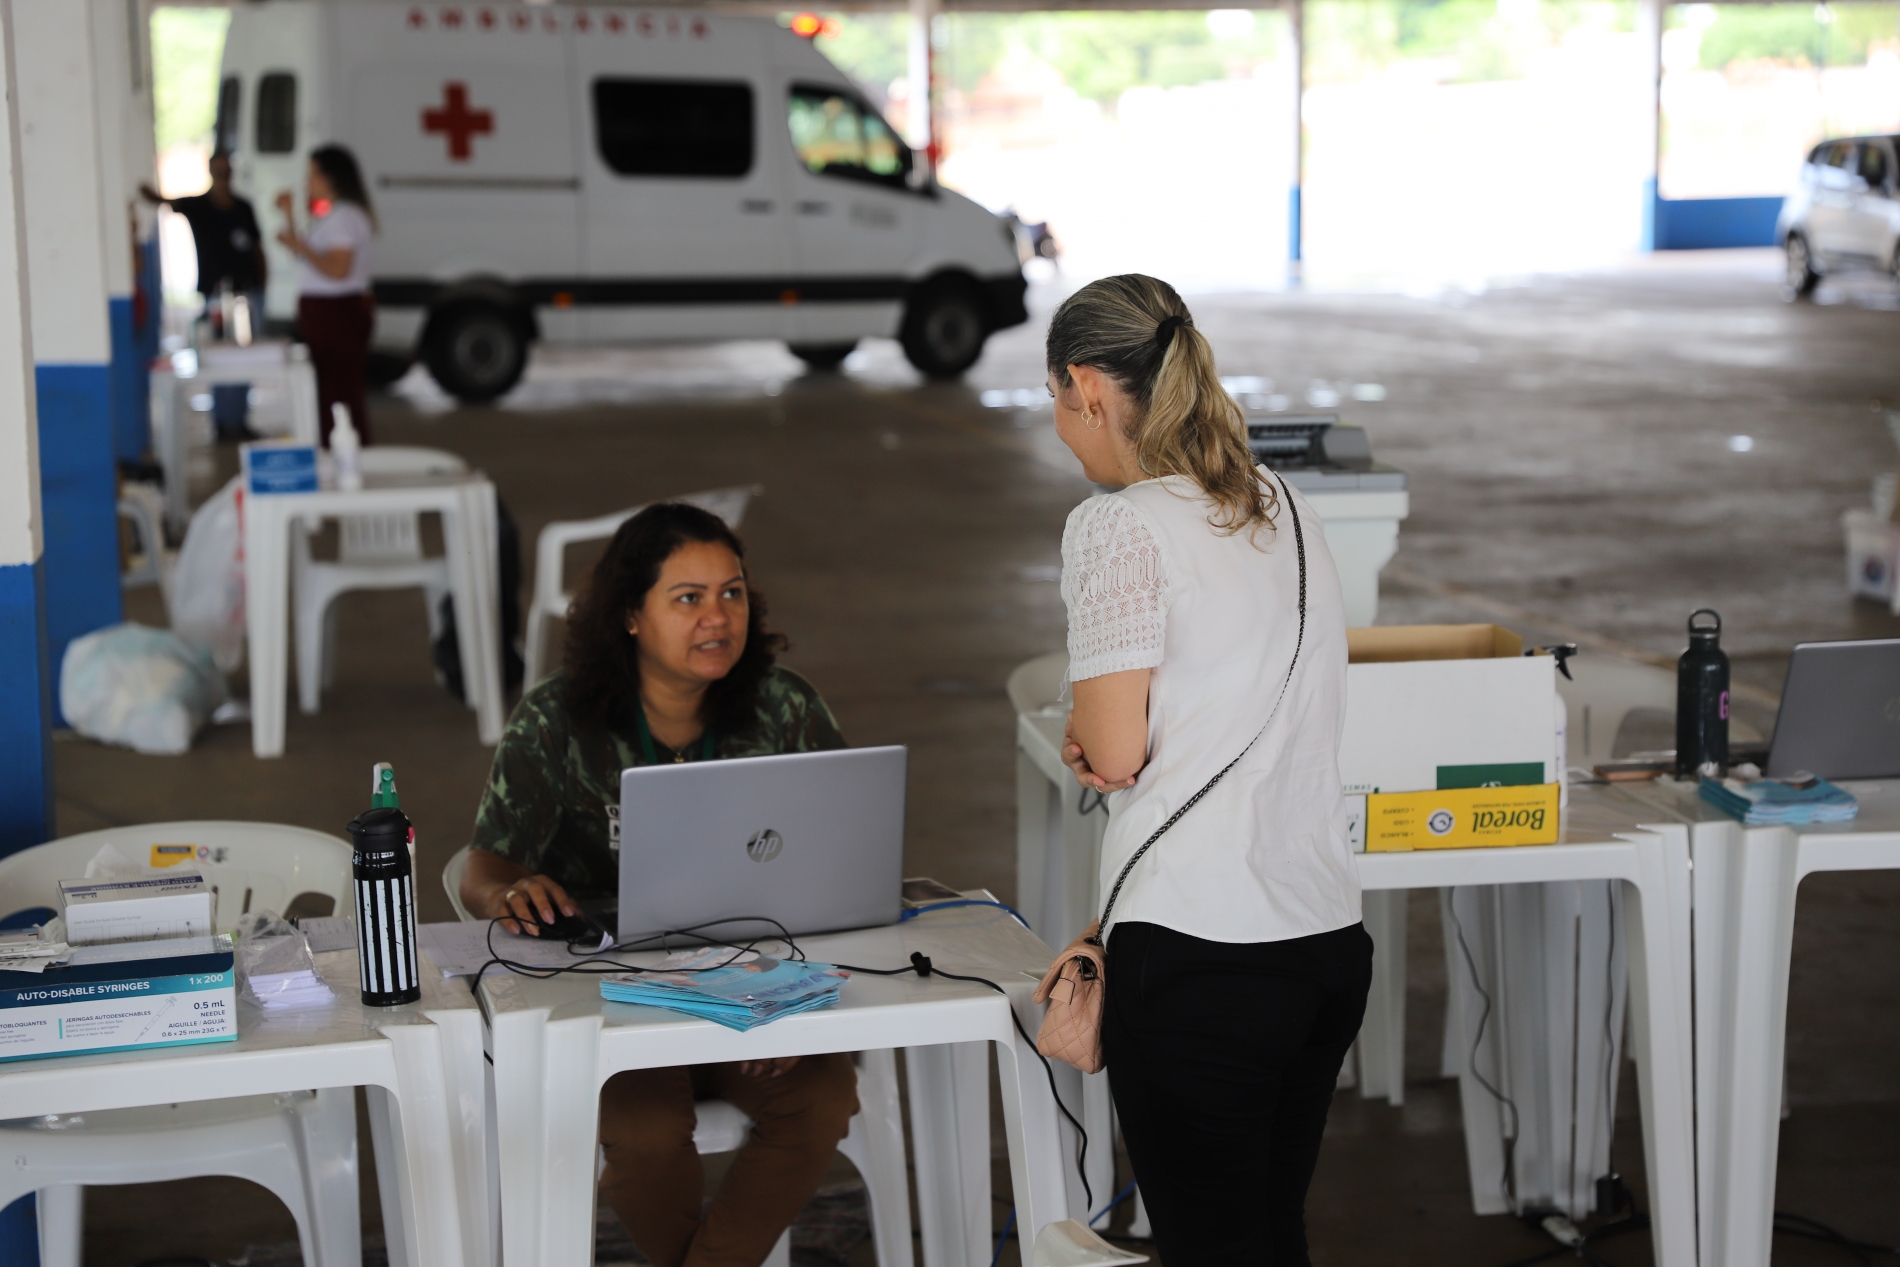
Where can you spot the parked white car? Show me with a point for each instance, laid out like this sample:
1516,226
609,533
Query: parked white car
1844,213
609,175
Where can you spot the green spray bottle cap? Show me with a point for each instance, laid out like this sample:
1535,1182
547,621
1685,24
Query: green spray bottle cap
383,787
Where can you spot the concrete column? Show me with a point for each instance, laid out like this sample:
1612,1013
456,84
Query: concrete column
922,73
69,246
128,155
1649,33
1296,38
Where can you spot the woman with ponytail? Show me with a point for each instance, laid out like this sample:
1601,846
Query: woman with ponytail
1207,657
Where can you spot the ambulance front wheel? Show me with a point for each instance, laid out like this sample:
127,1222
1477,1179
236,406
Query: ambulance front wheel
476,352
944,328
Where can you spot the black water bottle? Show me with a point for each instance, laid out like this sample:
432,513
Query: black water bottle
1702,698
385,908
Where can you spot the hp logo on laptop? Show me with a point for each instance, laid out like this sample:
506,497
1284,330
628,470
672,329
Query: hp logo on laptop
764,846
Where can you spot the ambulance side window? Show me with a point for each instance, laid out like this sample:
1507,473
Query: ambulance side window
838,136
229,97
277,113
673,127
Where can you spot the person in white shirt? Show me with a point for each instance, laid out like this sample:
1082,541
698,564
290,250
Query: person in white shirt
335,310
1207,636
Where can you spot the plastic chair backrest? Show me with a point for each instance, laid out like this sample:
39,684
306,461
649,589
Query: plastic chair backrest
392,538
551,546
452,882
253,866
1035,684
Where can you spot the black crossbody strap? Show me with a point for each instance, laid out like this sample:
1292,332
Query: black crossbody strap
1299,543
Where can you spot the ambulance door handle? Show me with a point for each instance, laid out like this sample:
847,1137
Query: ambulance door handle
756,206
813,208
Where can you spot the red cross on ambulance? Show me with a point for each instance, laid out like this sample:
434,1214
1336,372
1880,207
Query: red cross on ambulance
455,120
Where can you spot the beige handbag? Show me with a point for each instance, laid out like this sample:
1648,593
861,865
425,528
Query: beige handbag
1074,985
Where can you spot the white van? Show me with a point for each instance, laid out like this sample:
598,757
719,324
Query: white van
608,175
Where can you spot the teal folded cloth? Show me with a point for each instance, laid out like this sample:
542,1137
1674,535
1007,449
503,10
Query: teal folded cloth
738,989
1762,802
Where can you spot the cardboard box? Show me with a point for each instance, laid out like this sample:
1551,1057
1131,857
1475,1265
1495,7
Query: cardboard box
174,904
1462,818
1439,706
120,998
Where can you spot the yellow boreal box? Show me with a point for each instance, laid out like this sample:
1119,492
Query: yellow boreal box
1461,818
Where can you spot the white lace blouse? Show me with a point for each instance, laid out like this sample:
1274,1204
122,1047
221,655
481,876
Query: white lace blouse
1150,584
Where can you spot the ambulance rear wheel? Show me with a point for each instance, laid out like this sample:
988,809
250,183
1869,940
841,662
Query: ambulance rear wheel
944,328
476,353
822,358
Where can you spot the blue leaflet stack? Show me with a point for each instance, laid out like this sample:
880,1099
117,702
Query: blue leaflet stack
740,990
1762,802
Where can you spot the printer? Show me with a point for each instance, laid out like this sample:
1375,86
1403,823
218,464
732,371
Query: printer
1317,454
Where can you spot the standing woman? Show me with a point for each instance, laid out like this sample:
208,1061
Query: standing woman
1206,635
334,309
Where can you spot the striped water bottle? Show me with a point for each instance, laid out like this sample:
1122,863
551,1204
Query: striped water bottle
385,908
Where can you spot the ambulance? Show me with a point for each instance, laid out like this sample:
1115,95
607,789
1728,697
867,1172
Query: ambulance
608,175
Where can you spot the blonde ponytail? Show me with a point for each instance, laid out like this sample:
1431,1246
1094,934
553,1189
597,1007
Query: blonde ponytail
1136,330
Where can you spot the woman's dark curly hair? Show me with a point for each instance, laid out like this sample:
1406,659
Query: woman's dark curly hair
603,661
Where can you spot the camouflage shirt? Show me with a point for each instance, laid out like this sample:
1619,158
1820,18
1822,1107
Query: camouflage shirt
553,798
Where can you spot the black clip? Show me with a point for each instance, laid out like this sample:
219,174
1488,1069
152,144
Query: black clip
1561,652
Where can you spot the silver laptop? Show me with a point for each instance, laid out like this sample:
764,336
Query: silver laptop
813,840
1840,711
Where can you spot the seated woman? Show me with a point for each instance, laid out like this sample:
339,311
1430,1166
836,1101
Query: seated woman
668,659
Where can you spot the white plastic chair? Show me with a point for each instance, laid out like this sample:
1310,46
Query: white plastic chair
382,552
875,1144
552,599
143,506
302,1147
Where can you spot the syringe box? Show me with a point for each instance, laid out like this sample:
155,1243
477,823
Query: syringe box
176,904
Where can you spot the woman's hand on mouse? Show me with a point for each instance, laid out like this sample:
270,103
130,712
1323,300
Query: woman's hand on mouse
767,1068
533,900
1078,763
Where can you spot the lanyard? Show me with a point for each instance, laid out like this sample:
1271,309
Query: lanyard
647,754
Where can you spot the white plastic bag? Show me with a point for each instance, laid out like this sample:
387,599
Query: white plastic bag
141,688
207,600
275,962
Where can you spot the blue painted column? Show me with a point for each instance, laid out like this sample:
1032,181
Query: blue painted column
26,705
64,108
128,155
1649,33
1296,36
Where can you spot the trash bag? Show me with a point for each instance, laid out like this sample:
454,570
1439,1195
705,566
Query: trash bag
141,688
447,650
207,600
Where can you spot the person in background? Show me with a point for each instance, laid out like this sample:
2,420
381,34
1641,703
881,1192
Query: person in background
668,660
224,230
335,311
1203,604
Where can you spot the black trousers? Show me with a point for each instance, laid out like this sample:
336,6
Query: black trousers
1222,1060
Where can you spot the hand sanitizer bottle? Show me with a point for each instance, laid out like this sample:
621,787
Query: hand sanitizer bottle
346,447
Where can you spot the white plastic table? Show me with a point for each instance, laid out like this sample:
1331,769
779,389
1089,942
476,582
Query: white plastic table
421,1062
467,505
1608,836
556,1042
283,402
1746,883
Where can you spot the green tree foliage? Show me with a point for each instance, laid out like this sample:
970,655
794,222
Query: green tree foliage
1793,34
1100,55
1471,40
186,46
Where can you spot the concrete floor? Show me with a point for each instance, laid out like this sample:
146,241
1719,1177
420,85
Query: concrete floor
1568,440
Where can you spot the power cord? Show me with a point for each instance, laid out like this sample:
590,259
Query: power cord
921,965
1509,1178
601,965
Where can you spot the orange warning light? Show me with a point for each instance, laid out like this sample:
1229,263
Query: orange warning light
808,25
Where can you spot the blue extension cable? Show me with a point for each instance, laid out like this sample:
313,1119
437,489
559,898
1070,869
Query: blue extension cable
914,911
